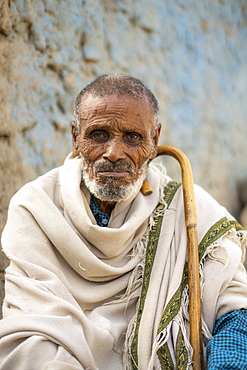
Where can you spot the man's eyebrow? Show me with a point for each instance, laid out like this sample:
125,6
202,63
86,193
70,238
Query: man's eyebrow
97,126
133,129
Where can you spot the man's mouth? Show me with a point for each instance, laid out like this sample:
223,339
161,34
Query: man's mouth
113,173
118,171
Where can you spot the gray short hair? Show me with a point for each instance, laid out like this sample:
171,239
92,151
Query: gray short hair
117,84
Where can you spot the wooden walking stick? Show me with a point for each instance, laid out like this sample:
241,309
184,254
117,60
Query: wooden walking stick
193,258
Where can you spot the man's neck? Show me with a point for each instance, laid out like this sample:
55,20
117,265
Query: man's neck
105,207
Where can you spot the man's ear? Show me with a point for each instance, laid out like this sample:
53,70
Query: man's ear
74,133
156,136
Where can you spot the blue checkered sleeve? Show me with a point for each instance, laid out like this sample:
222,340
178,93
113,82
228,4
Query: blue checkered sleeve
228,347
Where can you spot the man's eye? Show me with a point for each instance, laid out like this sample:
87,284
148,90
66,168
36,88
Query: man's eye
99,135
132,137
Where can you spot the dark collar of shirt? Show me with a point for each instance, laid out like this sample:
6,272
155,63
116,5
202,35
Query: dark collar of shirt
101,218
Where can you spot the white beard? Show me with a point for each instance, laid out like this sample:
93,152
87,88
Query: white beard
111,191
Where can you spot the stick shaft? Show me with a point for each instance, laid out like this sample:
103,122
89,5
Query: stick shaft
193,258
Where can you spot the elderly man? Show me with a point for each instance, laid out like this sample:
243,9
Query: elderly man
97,276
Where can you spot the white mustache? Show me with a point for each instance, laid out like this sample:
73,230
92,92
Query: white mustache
110,166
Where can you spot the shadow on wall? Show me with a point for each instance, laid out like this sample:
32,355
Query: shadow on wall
242,213
242,196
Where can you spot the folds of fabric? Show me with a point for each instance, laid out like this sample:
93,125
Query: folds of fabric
68,277
75,289
162,323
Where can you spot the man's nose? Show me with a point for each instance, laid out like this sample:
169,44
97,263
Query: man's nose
114,150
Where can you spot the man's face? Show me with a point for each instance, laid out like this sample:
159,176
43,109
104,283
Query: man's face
116,139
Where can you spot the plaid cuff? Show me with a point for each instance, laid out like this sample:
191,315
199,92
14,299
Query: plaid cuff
228,347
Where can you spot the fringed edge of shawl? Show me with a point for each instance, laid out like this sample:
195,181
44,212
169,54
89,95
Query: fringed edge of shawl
182,317
134,286
129,336
136,279
182,320
239,237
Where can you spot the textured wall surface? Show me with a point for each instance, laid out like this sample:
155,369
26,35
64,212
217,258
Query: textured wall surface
192,54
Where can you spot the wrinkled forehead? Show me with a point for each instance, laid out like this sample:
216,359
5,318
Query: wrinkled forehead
117,105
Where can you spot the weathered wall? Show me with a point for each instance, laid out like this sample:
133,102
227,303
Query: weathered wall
192,54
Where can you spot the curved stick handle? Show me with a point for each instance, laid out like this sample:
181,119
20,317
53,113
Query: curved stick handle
193,258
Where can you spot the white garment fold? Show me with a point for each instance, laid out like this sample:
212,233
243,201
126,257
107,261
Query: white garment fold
67,277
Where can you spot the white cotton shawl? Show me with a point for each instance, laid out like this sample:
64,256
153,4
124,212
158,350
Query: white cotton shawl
223,283
72,286
64,268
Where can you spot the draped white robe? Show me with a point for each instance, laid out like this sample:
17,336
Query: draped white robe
73,288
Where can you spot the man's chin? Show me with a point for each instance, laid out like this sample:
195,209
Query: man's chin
109,188
115,190
108,193
112,192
